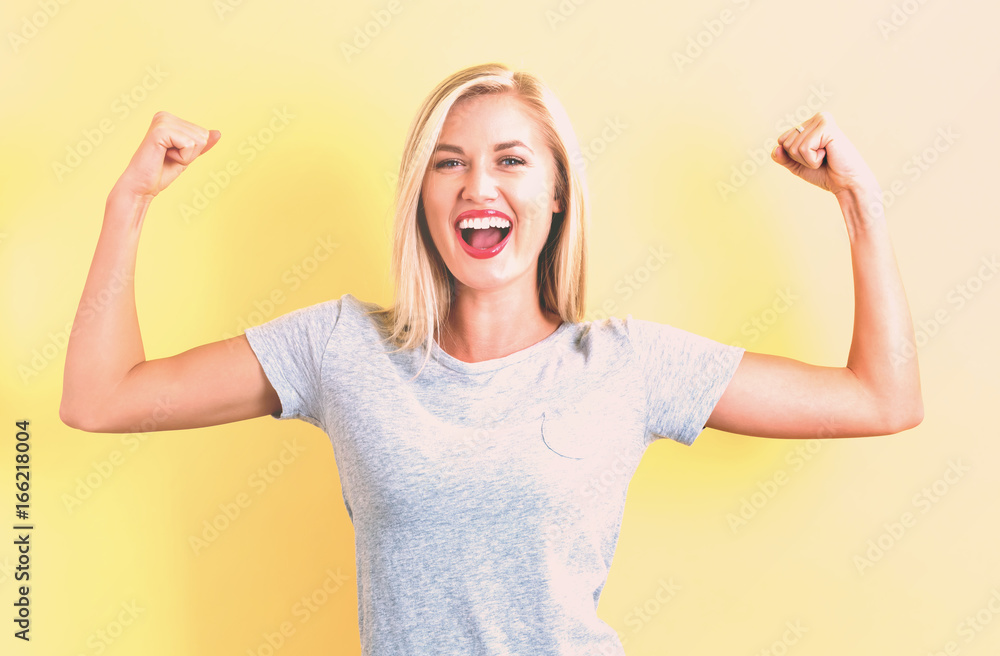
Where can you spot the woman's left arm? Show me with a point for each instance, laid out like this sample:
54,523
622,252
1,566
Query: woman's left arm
878,391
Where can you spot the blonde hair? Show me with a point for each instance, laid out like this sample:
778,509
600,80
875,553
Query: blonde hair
423,284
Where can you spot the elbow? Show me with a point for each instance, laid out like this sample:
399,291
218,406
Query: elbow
69,415
893,407
916,416
75,417
906,416
66,414
66,418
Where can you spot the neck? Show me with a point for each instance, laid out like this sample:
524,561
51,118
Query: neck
491,324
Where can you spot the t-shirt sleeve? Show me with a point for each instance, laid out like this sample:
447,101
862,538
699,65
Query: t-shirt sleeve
290,349
684,375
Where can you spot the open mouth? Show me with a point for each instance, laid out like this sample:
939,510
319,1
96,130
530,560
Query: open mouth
486,233
483,233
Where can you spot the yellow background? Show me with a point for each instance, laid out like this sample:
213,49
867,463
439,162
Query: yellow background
893,74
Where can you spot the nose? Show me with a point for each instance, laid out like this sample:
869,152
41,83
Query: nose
480,185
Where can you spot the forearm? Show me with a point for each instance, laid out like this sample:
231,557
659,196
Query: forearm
882,354
105,342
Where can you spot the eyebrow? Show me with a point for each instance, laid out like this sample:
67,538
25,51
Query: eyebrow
500,146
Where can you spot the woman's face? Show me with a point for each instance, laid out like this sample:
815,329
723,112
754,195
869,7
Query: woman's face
491,166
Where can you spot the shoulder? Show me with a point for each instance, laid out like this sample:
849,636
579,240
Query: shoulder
359,312
643,336
360,321
344,307
606,338
317,319
613,329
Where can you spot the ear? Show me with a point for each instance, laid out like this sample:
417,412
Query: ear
557,205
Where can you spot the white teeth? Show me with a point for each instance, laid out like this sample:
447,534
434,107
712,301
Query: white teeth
480,224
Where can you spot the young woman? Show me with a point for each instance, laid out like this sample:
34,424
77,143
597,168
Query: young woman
485,434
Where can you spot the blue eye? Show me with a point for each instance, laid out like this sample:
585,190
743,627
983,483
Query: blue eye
446,163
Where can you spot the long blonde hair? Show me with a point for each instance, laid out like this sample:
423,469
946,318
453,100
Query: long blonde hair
424,286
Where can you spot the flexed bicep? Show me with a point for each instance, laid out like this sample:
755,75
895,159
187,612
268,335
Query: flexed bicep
775,396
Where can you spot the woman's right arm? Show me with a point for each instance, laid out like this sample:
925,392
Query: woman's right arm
108,385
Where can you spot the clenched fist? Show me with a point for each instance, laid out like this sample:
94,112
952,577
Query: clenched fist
822,155
169,146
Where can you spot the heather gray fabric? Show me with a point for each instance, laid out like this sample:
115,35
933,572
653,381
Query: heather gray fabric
487,497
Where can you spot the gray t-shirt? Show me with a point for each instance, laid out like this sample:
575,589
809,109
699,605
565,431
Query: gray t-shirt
487,497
